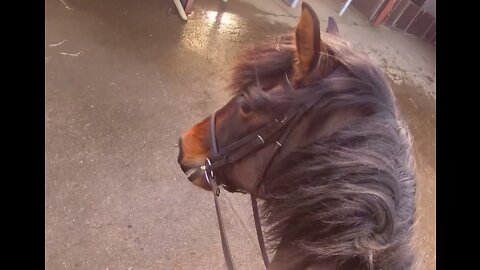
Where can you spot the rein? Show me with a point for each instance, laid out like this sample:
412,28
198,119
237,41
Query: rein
240,148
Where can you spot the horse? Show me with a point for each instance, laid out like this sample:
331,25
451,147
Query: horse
313,131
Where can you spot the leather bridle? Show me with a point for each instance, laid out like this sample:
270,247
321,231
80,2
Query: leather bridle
271,133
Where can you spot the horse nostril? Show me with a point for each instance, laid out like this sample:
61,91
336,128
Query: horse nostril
180,153
184,169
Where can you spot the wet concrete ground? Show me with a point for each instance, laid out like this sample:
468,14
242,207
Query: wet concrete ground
125,78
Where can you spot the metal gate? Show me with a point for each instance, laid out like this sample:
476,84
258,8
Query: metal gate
414,17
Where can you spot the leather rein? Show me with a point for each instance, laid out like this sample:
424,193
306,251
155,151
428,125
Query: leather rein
270,133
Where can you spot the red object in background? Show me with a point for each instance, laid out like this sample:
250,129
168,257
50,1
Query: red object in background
384,14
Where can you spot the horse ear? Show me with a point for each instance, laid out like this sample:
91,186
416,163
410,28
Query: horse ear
332,27
308,42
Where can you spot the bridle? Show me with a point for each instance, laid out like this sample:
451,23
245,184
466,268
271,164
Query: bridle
270,133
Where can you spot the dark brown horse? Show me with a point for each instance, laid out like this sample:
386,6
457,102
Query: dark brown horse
337,191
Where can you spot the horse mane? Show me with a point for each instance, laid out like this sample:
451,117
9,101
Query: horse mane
348,196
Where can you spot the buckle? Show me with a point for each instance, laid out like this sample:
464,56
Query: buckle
210,177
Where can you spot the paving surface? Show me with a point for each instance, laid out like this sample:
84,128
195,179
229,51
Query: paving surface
124,78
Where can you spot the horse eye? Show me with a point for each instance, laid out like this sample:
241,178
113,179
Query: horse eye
244,106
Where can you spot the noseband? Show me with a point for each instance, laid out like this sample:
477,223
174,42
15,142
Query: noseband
271,133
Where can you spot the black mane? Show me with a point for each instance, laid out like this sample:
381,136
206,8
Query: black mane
350,195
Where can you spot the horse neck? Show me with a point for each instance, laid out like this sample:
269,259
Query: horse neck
289,257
